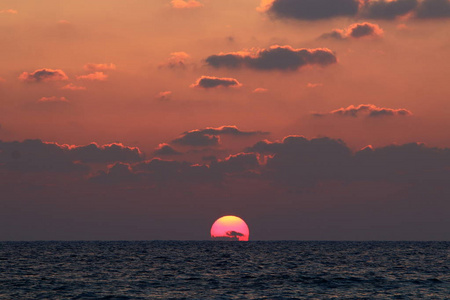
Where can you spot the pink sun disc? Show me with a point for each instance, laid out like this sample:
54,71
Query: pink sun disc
230,228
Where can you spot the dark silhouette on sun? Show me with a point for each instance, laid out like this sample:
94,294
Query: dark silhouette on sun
229,228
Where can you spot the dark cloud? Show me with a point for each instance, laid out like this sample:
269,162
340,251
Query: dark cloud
274,58
315,184
108,153
43,75
229,130
197,138
356,31
430,9
383,9
237,163
210,136
372,9
367,110
36,155
170,172
301,162
119,173
165,150
313,9
208,82
402,163
337,34
209,158
363,30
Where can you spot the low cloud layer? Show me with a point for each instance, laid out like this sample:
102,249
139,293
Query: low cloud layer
36,155
208,82
301,162
283,58
43,75
366,110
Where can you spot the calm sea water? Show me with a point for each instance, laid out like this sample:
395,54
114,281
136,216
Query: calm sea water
224,270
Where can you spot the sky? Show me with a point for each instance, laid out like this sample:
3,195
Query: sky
149,120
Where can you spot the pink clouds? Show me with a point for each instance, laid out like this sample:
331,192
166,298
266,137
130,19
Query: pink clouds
164,95
180,4
176,60
99,67
260,91
53,99
43,75
8,11
73,87
96,76
313,85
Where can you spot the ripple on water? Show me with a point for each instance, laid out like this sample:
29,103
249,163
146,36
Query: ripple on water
214,270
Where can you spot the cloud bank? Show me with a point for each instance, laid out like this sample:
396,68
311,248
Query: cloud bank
36,155
284,58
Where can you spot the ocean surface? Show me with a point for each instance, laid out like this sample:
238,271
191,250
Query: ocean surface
224,270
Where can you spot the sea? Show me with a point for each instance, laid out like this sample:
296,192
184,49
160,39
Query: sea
224,270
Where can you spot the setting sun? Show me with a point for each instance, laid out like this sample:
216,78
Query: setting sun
230,228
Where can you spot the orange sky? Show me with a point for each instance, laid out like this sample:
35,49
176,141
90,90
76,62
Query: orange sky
144,73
